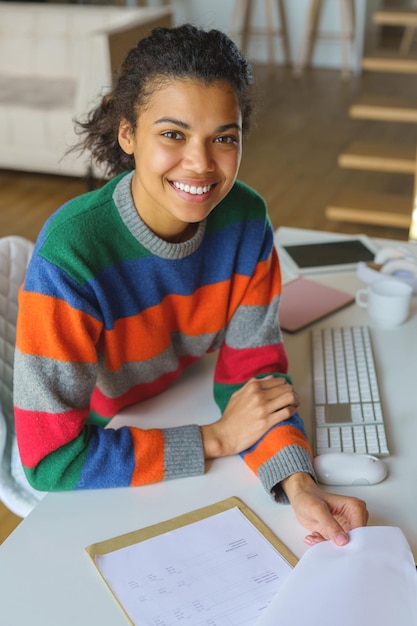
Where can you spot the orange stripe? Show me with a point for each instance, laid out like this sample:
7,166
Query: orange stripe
264,284
149,456
205,311
275,441
51,328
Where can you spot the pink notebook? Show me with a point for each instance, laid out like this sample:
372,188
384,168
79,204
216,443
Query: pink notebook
306,301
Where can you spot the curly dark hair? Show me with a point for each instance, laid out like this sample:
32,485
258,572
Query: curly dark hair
165,54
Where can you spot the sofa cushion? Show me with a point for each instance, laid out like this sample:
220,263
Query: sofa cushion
40,93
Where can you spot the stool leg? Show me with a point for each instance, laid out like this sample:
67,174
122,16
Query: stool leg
347,14
284,32
247,15
238,18
307,44
407,40
269,30
280,31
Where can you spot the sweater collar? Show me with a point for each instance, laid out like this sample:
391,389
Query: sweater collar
123,199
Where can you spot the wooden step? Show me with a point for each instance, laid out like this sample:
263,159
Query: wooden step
366,208
389,62
384,109
379,157
395,17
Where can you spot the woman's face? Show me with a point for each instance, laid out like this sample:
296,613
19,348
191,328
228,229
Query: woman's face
187,150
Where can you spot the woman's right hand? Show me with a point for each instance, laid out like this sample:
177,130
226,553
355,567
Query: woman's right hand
251,412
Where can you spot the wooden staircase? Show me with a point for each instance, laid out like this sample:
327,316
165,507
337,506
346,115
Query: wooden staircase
371,208
379,157
385,109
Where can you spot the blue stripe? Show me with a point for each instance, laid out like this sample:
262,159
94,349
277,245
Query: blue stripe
47,279
110,461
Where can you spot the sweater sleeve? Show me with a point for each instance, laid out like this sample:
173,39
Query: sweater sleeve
253,346
56,368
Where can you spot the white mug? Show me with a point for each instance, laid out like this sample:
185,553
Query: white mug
387,301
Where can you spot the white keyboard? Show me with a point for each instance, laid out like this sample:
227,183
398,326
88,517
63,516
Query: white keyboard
348,413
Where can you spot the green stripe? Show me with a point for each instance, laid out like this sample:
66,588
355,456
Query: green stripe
223,392
81,254
97,420
241,204
60,470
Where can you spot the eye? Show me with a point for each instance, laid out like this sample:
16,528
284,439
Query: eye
229,139
172,134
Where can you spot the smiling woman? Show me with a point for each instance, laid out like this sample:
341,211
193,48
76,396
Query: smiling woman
129,284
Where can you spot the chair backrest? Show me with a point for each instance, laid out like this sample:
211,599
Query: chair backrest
15,491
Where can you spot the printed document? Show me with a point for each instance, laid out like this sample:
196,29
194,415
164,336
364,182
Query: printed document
220,571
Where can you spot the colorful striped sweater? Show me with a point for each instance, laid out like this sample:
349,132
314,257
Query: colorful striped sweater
110,315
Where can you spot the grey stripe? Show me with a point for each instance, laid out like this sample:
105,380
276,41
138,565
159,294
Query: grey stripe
183,451
72,384
288,461
114,384
264,319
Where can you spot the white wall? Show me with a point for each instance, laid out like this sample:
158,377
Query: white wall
218,14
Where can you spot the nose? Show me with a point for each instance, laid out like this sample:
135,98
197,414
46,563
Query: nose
198,157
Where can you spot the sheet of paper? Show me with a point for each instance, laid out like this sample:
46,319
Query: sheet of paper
372,580
219,571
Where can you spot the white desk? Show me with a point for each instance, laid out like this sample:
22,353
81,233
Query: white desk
46,578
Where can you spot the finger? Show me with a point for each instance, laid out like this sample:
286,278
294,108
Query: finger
352,515
314,538
359,516
288,400
272,382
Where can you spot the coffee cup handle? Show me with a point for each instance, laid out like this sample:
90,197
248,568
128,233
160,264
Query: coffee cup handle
362,298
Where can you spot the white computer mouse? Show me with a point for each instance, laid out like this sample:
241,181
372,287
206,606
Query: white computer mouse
345,468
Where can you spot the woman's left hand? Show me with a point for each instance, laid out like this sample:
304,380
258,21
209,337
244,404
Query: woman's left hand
326,515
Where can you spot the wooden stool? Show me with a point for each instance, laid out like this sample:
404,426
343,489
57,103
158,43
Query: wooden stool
412,235
144,3
312,34
243,28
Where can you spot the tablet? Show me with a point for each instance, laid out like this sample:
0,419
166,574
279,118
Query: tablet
326,256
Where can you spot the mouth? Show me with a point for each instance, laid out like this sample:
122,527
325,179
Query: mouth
194,190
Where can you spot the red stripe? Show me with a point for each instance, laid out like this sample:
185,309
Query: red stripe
39,433
236,366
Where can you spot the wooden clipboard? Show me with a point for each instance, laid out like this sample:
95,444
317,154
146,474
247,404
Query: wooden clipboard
136,536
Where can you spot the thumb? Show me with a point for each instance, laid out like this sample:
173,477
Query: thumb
334,531
340,538
336,534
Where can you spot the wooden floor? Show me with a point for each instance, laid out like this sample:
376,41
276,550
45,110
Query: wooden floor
290,157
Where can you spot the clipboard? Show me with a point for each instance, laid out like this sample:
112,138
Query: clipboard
122,541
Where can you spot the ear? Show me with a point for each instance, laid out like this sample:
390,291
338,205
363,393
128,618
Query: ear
125,136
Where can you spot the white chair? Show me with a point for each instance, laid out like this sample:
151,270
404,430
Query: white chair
15,491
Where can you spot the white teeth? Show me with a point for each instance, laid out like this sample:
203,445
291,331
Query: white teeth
193,190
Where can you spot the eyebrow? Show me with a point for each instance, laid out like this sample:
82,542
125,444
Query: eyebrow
185,126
